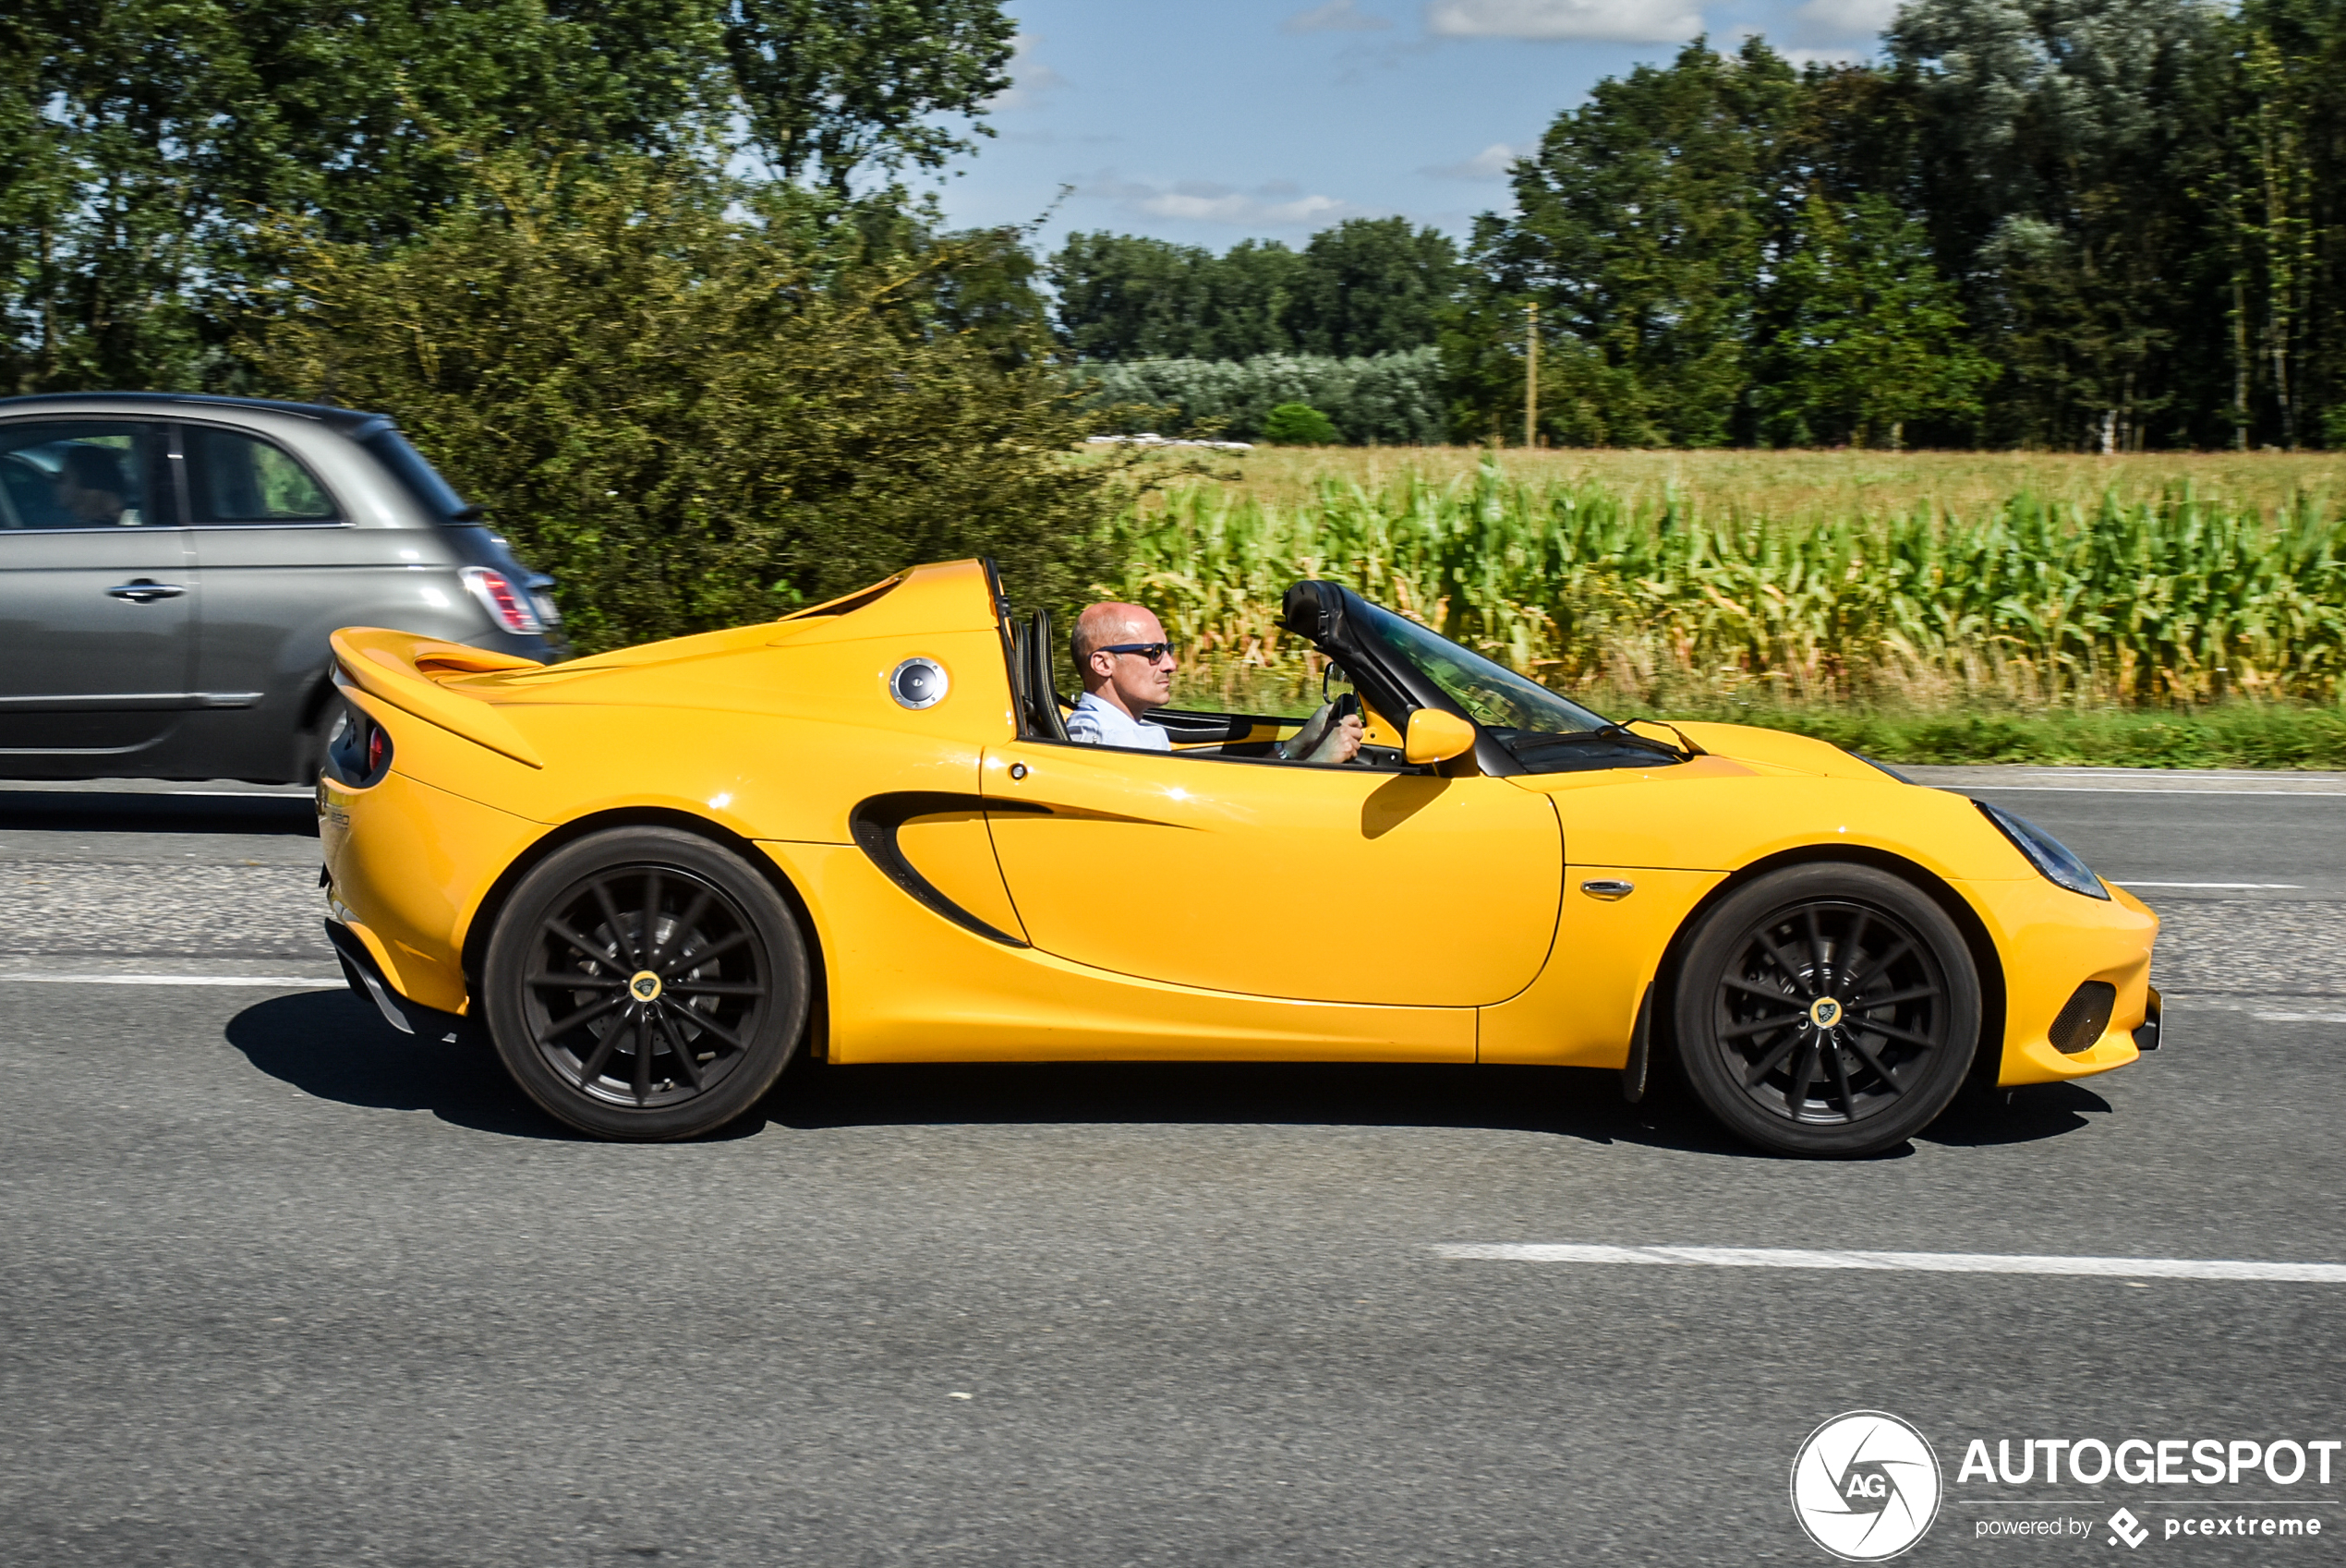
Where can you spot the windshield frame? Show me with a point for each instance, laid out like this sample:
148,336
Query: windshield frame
1429,665
1427,651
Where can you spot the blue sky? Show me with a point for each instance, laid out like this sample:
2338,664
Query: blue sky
1213,120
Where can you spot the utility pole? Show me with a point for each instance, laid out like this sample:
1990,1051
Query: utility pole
1531,374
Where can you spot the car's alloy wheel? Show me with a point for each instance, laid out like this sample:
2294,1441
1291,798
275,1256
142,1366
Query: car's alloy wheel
1827,1009
646,984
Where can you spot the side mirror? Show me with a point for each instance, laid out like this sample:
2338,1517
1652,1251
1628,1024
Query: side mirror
1436,736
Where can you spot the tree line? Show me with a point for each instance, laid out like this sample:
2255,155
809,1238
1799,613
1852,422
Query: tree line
2098,224
2083,225
644,276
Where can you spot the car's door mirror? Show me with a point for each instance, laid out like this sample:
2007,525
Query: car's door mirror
1436,736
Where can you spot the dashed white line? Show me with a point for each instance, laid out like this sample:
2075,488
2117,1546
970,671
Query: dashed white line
1917,1262
275,981
2299,1018
2124,790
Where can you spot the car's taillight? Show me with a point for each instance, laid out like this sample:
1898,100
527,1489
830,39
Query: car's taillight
359,754
507,604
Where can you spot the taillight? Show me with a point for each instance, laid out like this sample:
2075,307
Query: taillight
507,604
360,751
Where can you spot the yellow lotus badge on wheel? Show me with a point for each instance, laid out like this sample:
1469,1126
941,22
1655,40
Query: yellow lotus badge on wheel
657,874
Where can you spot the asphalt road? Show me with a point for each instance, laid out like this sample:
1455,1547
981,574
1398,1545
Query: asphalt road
282,1287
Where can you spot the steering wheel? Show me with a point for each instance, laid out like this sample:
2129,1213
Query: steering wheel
1304,742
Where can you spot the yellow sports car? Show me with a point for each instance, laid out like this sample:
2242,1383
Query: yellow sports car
861,831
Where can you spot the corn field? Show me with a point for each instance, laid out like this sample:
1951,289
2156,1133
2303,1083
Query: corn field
2165,602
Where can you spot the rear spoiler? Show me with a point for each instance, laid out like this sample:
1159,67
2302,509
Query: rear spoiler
406,670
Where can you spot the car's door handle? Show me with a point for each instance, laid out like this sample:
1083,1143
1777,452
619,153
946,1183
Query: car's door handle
145,590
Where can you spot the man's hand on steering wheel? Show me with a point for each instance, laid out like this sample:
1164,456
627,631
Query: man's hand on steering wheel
1343,741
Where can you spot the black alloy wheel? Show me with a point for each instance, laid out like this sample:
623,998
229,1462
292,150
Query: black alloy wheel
1827,1009
646,984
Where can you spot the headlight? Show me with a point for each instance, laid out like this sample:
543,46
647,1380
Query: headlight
2056,859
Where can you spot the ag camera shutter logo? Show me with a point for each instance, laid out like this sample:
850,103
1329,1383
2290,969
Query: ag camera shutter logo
1865,1486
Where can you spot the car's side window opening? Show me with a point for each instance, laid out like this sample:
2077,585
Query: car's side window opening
236,477
1196,734
57,474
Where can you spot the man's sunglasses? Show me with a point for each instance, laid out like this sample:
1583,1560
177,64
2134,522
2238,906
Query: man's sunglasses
1150,651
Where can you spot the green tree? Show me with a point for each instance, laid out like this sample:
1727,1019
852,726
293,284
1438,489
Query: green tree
1871,338
2059,142
1365,287
1372,285
1121,296
2281,234
1378,399
1639,228
1299,424
693,406
831,88
144,140
1248,300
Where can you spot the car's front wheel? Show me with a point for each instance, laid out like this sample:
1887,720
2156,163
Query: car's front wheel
646,984
1828,1010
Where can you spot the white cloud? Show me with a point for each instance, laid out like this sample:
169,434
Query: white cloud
1280,204
1491,164
1031,80
1336,15
1246,209
1614,21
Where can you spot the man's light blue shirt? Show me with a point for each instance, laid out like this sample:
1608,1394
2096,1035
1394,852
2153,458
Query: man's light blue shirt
1098,722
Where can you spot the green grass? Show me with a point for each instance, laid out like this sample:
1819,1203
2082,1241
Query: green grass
2237,735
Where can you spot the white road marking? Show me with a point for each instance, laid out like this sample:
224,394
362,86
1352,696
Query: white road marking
167,794
275,981
1919,1262
2123,790
2299,1018
2273,886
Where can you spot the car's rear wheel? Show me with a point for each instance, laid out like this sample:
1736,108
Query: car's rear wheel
646,984
1829,1009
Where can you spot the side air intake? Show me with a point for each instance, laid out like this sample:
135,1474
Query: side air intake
2083,1017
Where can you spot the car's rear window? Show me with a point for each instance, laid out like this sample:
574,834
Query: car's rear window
236,477
435,494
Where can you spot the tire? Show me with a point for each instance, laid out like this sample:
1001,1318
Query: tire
1827,1010
646,935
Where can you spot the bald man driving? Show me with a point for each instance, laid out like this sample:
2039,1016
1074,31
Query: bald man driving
1127,662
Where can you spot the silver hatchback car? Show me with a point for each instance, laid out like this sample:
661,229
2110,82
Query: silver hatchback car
171,568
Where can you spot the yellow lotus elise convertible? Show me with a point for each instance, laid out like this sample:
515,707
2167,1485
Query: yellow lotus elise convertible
861,831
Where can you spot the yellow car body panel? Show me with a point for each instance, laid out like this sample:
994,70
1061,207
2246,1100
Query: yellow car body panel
929,991
1707,818
978,894
1315,884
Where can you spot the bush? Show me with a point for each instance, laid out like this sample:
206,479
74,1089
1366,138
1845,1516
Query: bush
1375,400
694,405
1299,424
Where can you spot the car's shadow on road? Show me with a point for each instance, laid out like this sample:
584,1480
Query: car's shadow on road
2027,1114
332,1045
130,811
1561,1101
